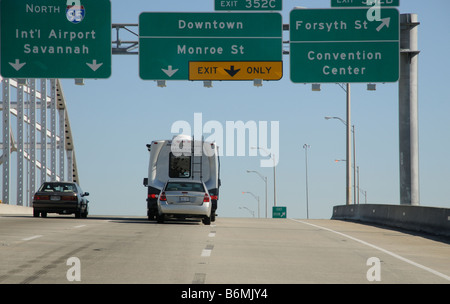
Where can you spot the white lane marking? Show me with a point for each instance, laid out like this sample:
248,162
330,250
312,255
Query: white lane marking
212,234
206,252
79,226
31,238
382,250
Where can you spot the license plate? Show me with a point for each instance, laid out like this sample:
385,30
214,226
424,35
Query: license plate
184,199
55,198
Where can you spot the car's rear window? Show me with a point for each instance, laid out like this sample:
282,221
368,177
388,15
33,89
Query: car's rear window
184,186
53,187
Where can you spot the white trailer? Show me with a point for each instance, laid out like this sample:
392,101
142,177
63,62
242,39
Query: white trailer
182,158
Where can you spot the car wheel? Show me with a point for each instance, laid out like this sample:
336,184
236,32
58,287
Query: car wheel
207,220
43,214
35,213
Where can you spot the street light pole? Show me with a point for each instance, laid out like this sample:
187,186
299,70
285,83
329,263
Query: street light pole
274,174
348,151
264,178
305,146
354,167
256,197
349,147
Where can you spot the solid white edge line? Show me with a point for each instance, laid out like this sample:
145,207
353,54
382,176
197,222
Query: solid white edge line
380,249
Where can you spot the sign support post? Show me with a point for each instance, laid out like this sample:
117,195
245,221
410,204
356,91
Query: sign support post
408,110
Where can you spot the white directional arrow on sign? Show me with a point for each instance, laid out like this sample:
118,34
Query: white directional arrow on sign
17,65
169,72
94,66
384,21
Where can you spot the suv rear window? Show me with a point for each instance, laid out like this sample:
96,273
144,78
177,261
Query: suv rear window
184,186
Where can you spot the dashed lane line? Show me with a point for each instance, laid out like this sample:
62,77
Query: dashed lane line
31,237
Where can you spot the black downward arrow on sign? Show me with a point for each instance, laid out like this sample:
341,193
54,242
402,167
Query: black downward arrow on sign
232,71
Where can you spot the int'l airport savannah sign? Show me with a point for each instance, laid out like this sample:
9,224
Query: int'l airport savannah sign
55,39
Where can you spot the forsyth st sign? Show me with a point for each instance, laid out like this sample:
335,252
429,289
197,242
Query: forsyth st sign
343,45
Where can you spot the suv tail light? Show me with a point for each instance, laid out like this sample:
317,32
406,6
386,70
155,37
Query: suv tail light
153,195
206,198
162,197
214,197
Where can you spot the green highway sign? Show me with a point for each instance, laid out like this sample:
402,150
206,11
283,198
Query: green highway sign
169,41
364,3
279,212
248,5
55,39
343,45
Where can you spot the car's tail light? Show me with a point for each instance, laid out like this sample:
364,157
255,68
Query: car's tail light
206,198
153,195
163,197
41,197
214,197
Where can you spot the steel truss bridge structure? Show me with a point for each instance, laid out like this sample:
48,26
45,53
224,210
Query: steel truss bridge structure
37,143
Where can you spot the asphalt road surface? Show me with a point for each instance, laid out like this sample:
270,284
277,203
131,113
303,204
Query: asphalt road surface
102,249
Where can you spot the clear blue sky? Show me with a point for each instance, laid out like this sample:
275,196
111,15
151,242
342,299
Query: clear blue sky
112,120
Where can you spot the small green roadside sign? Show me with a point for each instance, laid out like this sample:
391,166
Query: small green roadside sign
55,39
279,212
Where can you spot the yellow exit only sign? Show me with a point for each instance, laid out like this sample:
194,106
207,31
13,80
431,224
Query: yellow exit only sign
235,70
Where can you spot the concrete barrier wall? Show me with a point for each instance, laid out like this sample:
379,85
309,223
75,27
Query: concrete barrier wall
416,218
13,209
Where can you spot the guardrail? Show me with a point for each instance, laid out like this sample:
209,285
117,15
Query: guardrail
416,218
14,209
